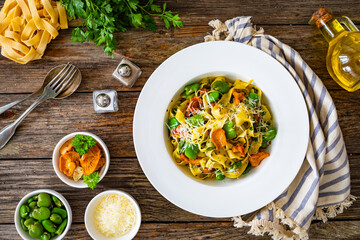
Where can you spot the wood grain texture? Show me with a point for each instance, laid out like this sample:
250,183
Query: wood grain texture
277,12
23,176
53,119
148,50
211,230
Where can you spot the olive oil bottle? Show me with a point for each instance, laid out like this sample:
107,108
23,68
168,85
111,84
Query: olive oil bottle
343,56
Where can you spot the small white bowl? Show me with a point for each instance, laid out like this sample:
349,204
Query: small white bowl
89,217
25,235
56,156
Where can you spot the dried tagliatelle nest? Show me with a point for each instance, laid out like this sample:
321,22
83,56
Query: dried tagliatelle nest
27,26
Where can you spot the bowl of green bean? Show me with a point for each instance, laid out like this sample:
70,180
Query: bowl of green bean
43,214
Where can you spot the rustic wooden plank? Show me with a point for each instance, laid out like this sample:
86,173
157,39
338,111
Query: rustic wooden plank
54,119
19,177
345,230
148,50
265,12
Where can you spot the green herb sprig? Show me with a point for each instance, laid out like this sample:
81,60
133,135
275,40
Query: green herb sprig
102,18
91,180
82,143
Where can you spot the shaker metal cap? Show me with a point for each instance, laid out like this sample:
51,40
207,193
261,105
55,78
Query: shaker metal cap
103,100
127,72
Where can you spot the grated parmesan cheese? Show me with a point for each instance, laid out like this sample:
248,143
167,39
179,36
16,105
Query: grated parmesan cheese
115,215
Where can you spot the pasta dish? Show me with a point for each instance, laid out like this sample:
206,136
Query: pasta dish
220,129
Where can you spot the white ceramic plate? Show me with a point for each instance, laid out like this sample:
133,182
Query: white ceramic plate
230,197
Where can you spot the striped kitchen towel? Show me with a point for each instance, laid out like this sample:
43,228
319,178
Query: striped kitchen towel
321,189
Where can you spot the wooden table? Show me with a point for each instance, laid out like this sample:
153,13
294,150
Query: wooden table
25,163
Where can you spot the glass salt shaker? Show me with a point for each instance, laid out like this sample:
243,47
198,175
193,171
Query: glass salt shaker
105,101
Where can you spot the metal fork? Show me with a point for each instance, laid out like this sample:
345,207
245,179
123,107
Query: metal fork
60,82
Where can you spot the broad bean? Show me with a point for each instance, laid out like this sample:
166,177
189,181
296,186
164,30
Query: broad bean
44,200
49,225
221,86
41,213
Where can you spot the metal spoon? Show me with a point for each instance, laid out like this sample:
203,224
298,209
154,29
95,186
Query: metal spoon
47,79
64,80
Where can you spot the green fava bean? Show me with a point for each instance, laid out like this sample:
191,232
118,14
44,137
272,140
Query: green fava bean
237,165
196,120
60,211
49,225
44,200
253,99
190,153
173,123
229,130
45,236
181,146
61,227
191,150
230,133
23,225
189,89
219,175
221,86
24,211
55,218
29,222
33,205
41,213
56,201
229,125
36,230
32,199
270,134
212,97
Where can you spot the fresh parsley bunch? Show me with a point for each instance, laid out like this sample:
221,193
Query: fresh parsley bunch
101,18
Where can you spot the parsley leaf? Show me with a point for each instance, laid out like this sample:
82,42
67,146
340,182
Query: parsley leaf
155,8
102,19
91,180
82,144
136,19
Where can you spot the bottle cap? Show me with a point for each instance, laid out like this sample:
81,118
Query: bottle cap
321,16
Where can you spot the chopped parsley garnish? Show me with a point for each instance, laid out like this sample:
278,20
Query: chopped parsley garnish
82,144
91,180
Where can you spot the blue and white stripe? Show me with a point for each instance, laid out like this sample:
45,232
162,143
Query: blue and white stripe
324,178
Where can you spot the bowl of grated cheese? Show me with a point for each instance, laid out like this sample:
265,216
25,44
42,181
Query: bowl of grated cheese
113,214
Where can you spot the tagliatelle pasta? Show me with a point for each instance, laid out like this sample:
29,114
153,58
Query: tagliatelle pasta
27,26
220,128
